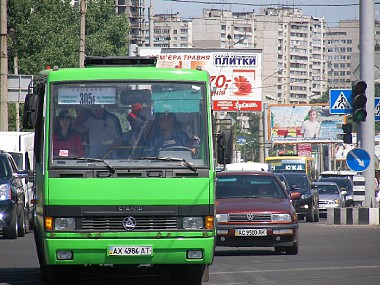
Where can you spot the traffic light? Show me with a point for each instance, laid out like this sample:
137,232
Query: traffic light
347,133
359,101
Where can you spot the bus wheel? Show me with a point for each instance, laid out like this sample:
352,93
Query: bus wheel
187,274
60,274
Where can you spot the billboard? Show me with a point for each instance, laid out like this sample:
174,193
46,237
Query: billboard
303,124
236,76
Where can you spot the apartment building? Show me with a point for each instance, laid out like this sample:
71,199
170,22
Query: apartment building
170,31
294,63
343,53
135,10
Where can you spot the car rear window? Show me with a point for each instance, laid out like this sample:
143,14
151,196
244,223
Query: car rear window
342,183
242,186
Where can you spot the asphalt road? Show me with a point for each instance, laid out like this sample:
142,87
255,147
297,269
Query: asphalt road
329,254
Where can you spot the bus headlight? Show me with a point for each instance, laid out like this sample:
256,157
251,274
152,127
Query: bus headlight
193,223
62,224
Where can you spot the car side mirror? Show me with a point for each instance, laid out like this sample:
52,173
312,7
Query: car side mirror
295,195
343,193
27,174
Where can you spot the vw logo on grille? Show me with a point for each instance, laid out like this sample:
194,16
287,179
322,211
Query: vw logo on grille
129,223
250,216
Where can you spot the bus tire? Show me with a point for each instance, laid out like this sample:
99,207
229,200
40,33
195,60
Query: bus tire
60,274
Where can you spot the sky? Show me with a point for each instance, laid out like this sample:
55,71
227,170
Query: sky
332,10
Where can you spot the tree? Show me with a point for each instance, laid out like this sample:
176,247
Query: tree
47,33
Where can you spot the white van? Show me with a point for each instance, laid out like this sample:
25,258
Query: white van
20,146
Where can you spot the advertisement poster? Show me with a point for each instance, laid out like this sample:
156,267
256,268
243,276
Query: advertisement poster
303,124
235,75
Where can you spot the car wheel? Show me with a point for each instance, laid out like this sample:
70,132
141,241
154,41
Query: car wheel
292,250
10,232
310,217
21,224
316,215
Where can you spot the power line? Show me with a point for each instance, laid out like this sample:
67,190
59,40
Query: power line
269,4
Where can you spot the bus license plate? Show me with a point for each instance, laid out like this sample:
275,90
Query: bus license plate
130,250
251,232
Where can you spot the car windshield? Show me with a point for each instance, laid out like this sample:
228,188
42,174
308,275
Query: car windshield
4,171
297,181
124,123
327,189
248,186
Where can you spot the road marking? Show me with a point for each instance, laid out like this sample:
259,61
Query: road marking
297,269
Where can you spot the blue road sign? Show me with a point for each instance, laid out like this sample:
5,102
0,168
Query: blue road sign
340,101
241,140
358,159
377,109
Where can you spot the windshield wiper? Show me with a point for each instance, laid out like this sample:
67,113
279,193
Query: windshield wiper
162,158
91,159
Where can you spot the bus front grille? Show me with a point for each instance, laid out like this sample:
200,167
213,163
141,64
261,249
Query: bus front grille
140,223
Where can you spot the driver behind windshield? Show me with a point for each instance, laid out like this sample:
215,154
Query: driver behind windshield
170,134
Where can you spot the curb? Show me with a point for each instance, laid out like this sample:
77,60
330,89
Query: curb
353,216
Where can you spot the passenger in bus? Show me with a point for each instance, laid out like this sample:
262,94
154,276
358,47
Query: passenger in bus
170,134
137,121
195,140
103,130
66,141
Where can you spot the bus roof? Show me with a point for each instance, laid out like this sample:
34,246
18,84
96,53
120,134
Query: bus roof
126,73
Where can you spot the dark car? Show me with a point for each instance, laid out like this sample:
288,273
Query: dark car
306,207
345,184
253,209
14,221
284,181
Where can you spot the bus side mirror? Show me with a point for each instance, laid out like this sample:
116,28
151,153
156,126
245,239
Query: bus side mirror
224,147
30,112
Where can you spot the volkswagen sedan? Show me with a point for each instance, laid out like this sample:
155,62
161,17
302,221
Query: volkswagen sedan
254,210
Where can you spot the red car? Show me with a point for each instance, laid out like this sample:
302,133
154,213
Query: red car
254,210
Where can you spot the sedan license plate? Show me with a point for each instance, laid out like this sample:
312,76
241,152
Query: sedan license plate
251,232
129,250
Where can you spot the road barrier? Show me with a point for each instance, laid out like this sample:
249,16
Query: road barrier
353,216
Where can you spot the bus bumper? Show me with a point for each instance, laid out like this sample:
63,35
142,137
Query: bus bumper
114,251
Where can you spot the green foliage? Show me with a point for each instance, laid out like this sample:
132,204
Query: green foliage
47,33
106,31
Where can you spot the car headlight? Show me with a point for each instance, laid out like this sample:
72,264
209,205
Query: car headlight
281,218
5,192
63,224
193,223
222,218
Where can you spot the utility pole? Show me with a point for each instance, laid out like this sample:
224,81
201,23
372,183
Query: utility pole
82,34
366,130
4,67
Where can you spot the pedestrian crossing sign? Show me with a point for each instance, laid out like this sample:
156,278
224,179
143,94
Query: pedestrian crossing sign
377,109
340,101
